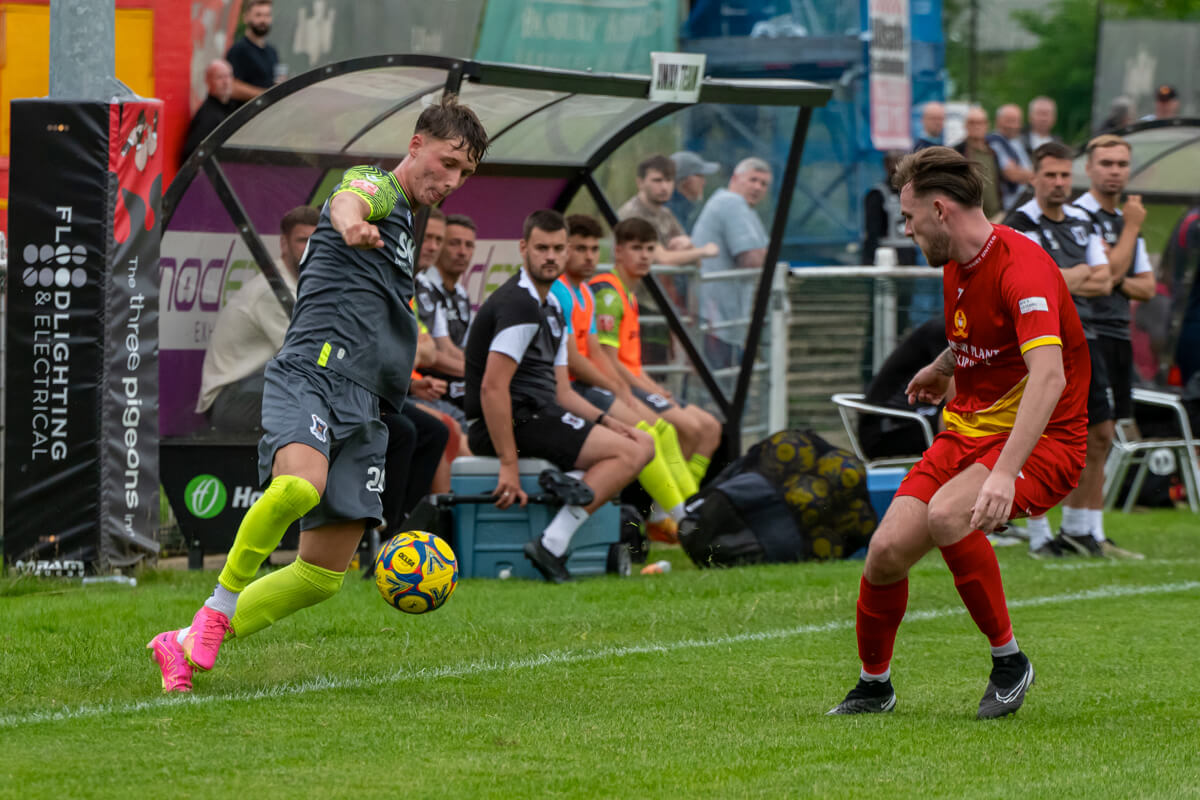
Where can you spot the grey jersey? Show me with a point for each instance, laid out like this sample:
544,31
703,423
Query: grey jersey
1112,311
352,310
1071,241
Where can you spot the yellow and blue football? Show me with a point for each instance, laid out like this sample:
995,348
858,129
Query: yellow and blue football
416,572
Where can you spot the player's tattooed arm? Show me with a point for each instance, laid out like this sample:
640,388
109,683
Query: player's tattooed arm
945,362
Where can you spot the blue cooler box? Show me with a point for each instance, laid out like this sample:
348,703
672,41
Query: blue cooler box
488,540
882,483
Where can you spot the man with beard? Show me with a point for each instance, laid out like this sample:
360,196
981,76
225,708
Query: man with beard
253,60
1015,425
1070,237
349,348
520,401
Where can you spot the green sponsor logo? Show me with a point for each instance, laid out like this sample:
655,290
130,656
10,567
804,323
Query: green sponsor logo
205,496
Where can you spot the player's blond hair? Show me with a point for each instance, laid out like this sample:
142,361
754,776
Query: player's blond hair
941,170
1106,140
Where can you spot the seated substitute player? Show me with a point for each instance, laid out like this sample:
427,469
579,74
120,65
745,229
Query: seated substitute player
618,332
1016,373
1070,237
350,345
248,332
520,402
591,376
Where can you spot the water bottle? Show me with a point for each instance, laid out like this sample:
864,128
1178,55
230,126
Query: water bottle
657,568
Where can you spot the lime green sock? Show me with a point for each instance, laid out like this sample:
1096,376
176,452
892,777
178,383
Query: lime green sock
286,500
667,440
657,480
698,465
284,591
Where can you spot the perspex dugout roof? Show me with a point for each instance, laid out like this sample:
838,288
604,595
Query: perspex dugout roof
1165,161
549,131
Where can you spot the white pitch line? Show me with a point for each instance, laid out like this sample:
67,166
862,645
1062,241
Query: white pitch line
481,667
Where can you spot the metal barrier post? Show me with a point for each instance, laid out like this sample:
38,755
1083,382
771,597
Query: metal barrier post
781,310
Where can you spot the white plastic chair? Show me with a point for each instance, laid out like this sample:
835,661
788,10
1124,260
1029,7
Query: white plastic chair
1127,452
849,403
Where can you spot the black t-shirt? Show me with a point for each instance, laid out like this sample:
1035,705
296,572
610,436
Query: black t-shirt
515,321
253,64
212,112
1071,241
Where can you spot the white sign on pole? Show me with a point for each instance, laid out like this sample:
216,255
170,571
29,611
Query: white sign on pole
891,87
676,77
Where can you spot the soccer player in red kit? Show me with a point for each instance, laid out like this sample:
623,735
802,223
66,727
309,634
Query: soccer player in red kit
1017,374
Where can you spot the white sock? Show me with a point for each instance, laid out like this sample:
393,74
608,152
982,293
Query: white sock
1039,531
1075,521
657,514
1097,519
678,512
557,536
1009,649
182,633
223,600
880,678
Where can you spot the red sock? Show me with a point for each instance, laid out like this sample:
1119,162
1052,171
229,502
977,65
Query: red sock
977,578
880,609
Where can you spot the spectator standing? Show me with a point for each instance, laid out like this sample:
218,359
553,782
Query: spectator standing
1120,114
691,171
933,123
729,224
1043,113
1166,103
215,108
253,59
1016,167
1108,159
976,149
248,333
520,401
655,184
883,223
1070,237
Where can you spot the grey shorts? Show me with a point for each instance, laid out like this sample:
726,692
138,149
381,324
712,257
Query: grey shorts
333,414
600,398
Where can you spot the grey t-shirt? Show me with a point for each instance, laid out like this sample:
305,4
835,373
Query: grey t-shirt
661,218
352,310
728,221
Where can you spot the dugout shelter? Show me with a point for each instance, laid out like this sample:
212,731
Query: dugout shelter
550,131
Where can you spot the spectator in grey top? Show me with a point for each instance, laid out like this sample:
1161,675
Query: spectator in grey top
729,222
1043,113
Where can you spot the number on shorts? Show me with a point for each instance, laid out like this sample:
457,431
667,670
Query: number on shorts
375,479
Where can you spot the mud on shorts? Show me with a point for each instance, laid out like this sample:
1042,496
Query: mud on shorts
548,431
1048,475
318,407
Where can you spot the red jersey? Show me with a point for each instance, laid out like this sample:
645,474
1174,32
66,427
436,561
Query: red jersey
1004,302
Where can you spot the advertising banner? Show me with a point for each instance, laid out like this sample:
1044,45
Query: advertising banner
600,37
81,440
891,89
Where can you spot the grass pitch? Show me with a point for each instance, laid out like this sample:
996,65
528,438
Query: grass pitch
689,684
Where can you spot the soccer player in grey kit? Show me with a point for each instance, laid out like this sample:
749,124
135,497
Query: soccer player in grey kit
351,342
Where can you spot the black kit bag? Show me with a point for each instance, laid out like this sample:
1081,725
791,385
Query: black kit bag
791,497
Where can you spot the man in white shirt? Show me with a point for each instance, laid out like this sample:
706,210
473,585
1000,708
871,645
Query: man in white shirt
248,332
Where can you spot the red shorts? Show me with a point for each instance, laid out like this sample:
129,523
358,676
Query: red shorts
1051,471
